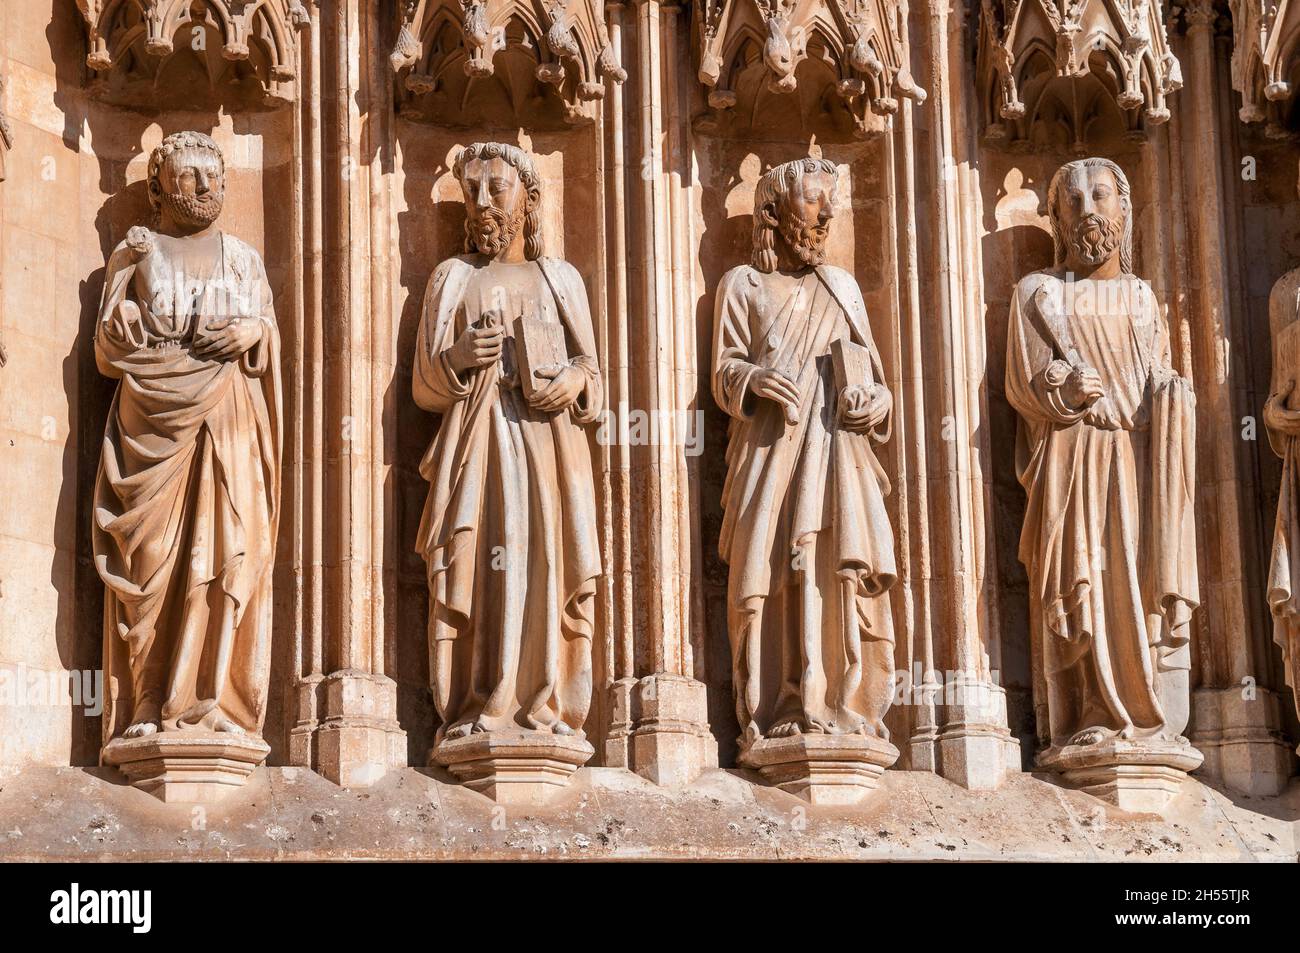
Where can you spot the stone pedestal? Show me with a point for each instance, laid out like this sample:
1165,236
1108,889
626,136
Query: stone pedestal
1139,776
1239,733
525,768
822,769
359,738
660,729
187,766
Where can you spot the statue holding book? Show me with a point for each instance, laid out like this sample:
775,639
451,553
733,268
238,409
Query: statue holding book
506,355
805,533
187,493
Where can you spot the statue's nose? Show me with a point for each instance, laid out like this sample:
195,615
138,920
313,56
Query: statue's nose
201,183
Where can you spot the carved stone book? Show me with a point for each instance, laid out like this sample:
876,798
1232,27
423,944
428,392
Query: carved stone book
537,344
852,364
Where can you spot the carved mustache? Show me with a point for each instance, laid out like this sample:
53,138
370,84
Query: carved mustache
492,229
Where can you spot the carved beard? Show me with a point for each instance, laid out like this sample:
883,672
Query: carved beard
191,211
807,242
1096,238
493,229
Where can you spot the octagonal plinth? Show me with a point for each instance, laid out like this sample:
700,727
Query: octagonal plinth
1141,776
195,767
525,768
822,769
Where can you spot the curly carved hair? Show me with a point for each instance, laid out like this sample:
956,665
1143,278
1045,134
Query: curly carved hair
173,144
775,184
1060,240
522,164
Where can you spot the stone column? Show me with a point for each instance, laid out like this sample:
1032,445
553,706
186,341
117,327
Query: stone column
969,743
348,701
1235,718
659,723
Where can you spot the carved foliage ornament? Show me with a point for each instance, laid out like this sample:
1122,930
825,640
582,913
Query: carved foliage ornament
446,46
1069,61
138,37
1265,34
859,42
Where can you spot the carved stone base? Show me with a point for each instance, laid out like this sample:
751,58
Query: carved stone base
1141,776
525,768
1240,734
190,767
660,729
822,769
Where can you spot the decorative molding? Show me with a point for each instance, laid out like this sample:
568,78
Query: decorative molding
1265,38
131,41
1070,63
752,49
452,52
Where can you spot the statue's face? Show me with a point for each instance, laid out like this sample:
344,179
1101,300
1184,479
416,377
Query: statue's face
1091,215
191,188
496,203
804,215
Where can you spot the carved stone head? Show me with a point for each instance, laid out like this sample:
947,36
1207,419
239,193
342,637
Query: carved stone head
187,180
502,195
1091,210
793,205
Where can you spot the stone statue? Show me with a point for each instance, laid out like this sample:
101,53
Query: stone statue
187,494
1282,420
805,533
1106,452
507,355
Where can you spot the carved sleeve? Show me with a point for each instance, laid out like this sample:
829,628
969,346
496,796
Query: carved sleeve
256,359
587,406
1034,375
435,385
112,341
732,368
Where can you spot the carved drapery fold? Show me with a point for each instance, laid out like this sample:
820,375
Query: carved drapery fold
1048,67
844,58
458,55
131,43
1265,36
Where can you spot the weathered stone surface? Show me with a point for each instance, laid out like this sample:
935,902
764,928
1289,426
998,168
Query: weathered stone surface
289,813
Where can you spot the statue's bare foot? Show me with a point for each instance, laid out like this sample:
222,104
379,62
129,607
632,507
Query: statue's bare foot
228,727
1090,736
141,729
786,729
561,728
460,731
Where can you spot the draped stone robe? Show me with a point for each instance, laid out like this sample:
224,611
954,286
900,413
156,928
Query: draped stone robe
1109,538
805,533
187,494
1284,562
509,528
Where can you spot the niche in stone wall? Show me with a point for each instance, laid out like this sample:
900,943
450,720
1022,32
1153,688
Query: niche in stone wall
123,74
530,75
778,82
1014,180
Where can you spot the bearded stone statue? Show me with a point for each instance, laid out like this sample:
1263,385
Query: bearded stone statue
506,355
805,533
187,495
1106,453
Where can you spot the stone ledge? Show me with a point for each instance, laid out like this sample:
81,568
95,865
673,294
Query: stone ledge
605,813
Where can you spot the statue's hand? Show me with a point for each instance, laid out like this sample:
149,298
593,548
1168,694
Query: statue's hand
1082,386
228,340
1276,416
864,408
478,346
565,385
777,387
